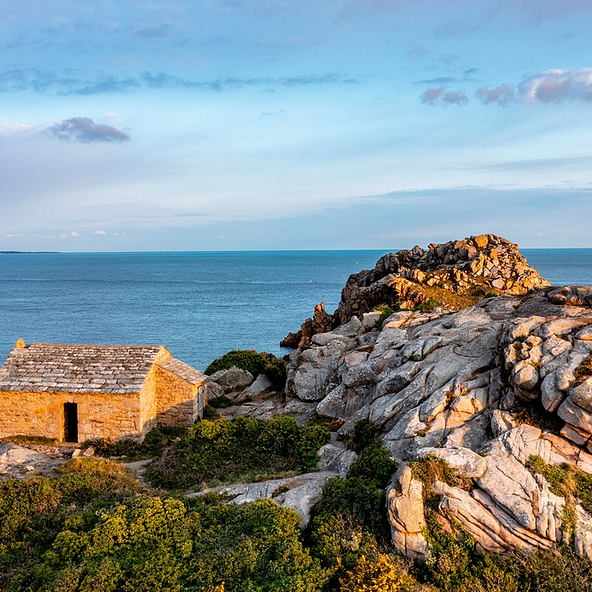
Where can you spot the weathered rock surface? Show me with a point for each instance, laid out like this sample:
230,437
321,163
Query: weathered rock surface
232,379
300,493
449,383
21,462
404,279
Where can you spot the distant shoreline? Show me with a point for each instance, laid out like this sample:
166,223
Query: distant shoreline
27,252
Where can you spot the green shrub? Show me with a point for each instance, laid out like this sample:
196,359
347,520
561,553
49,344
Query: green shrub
243,448
452,559
363,435
385,312
245,359
276,372
353,508
220,402
374,464
252,547
155,441
210,412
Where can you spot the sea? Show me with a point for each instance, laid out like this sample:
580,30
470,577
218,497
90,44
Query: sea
198,304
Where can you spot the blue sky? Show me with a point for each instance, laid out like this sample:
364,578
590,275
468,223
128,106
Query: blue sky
293,124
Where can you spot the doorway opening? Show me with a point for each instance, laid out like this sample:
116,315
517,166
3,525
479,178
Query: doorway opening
71,422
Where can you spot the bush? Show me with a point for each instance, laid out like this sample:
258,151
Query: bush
245,359
374,464
243,448
380,575
220,402
363,435
155,441
352,510
276,372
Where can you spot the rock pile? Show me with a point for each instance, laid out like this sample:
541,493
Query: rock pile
452,275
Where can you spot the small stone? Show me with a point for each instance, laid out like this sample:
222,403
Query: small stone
89,451
77,453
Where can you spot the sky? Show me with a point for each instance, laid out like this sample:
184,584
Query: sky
294,124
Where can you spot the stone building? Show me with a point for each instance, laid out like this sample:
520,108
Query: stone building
77,392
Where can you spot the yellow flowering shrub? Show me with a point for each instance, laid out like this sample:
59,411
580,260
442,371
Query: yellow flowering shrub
380,575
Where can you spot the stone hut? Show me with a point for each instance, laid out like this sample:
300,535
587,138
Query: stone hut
77,392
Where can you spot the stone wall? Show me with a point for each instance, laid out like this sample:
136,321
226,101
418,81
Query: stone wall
177,400
42,414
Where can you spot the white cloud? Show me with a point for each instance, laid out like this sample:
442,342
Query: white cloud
558,85
99,232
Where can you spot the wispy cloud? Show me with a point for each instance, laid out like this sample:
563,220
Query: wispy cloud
503,95
558,85
75,83
84,129
441,95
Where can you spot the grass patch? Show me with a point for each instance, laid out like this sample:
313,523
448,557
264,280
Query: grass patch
430,469
228,451
385,312
428,305
330,423
565,480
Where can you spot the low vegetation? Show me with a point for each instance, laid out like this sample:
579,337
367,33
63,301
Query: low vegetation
155,441
94,528
227,451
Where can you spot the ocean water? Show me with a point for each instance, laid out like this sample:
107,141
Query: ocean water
199,305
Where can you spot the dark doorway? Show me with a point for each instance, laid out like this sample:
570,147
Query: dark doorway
71,422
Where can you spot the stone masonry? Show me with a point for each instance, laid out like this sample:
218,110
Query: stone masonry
118,390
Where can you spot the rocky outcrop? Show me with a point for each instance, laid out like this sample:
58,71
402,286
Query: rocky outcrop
451,276
469,268
465,386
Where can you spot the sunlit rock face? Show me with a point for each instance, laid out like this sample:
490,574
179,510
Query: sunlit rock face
485,388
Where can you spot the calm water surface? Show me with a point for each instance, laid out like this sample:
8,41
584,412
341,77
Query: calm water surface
199,305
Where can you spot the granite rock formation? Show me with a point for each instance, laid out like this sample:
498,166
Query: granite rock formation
493,378
452,275
485,388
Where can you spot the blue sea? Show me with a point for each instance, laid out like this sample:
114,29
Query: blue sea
199,305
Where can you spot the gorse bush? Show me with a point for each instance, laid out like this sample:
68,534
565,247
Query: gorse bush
245,359
147,544
227,451
93,529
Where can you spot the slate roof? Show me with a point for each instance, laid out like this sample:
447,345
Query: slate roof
42,367
185,371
